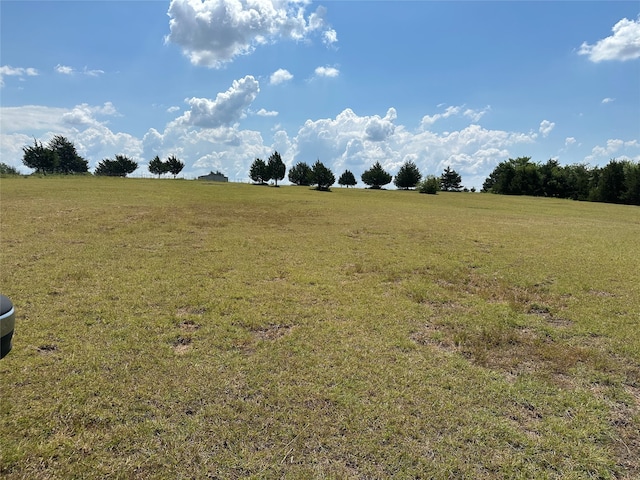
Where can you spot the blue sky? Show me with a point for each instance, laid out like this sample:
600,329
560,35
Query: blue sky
219,83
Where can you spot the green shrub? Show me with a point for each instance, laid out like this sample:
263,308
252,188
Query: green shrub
430,185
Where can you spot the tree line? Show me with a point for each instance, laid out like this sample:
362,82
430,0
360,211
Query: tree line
408,176
60,156
617,182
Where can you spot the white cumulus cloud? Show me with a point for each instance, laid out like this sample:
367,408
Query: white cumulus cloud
9,71
228,107
85,114
64,69
623,45
329,37
615,147
545,127
214,32
608,100
266,113
327,71
30,118
378,129
280,76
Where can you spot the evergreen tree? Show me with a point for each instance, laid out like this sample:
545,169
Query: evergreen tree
553,179
41,159
59,156
577,178
527,179
347,178
321,176
68,159
121,166
408,176
157,166
611,184
300,174
259,172
173,165
376,176
450,180
276,167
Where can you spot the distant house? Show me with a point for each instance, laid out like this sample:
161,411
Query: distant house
214,177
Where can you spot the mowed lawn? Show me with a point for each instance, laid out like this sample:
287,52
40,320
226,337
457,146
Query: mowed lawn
180,329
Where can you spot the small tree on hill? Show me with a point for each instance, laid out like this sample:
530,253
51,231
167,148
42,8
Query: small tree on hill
41,159
121,166
429,185
347,178
376,176
259,172
450,180
8,169
68,159
276,167
300,174
321,176
174,166
157,166
59,156
408,176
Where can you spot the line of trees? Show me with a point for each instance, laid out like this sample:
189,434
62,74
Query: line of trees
59,156
409,177
617,182
376,177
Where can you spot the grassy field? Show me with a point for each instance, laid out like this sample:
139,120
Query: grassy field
179,329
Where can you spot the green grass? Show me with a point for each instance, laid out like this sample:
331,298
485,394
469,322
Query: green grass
178,329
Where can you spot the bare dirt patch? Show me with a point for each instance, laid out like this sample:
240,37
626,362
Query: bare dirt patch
189,326
47,348
271,332
182,344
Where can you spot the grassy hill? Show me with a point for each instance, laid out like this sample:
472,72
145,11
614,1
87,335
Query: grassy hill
181,329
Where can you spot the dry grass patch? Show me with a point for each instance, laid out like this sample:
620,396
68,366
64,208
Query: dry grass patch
176,329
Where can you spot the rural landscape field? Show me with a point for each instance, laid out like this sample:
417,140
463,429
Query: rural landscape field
185,329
